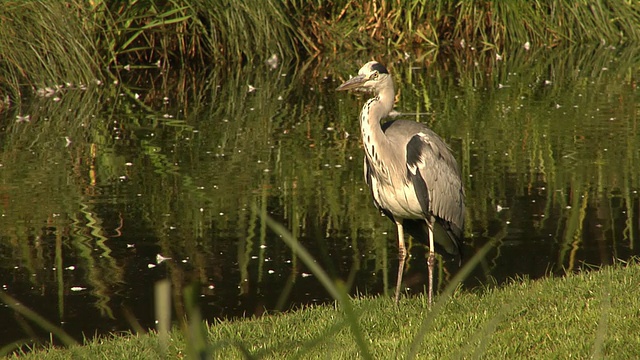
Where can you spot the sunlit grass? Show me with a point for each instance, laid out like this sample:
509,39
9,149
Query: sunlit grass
582,315
48,43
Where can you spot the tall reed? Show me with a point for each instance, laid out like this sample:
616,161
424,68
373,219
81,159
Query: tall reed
43,43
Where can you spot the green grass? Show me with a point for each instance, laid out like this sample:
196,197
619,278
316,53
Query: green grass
48,43
590,314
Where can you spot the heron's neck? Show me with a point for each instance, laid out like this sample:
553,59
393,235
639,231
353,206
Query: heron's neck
373,138
374,110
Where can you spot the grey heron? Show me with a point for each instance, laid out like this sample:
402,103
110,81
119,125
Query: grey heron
413,176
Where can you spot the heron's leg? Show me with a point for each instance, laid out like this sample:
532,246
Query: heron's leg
402,256
431,262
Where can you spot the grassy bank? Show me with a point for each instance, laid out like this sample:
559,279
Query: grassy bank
591,314
48,43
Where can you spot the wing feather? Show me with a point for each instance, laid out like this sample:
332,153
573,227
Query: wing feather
434,171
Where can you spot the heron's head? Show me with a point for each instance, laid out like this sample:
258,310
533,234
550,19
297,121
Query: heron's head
372,77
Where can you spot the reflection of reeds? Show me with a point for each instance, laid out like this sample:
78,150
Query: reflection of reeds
54,174
102,272
539,125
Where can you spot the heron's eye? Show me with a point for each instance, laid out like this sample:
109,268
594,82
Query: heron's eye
374,76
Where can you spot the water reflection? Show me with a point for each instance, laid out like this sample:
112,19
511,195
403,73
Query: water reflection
95,186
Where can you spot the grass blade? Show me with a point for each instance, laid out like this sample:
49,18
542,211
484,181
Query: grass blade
337,292
41,321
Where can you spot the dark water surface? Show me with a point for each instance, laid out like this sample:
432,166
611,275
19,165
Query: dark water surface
101,184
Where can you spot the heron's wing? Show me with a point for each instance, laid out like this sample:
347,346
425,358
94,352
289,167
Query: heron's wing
436,179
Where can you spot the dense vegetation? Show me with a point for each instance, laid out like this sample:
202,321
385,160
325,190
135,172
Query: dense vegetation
48,42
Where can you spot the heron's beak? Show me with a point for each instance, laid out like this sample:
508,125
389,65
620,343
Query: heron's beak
353,83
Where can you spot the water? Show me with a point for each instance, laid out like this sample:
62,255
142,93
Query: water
96,186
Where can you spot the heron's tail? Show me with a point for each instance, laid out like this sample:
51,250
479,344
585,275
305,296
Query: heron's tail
447,237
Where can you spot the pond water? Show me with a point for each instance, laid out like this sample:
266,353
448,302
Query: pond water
99,186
